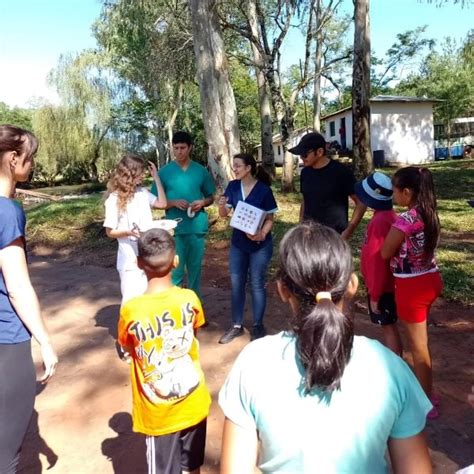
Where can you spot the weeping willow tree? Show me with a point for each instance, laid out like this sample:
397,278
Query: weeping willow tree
64,142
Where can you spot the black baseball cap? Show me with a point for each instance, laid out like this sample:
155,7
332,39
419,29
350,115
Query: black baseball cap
310,141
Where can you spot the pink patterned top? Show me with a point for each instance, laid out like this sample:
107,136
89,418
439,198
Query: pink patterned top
410,260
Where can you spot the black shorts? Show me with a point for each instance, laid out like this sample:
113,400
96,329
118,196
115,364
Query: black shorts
387,308
177,452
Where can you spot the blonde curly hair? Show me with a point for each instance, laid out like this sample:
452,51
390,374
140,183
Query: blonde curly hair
125,179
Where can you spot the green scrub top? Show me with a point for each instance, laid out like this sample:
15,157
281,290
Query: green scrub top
191,184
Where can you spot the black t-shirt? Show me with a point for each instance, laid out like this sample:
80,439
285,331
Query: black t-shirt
325,194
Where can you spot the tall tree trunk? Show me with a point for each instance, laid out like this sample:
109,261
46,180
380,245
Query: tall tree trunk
362,153
174,106
217,97
317,69
266,126
161,152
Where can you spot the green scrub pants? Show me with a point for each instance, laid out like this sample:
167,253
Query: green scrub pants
190,249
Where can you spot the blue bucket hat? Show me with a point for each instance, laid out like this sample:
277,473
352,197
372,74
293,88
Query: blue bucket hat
375,191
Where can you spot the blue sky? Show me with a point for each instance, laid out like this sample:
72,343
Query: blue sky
35,32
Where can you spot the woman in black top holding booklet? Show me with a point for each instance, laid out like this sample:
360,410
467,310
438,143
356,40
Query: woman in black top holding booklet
248,251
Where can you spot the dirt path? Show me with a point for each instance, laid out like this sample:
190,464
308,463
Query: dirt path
84,423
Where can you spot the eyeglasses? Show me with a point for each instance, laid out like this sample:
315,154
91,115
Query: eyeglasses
306,153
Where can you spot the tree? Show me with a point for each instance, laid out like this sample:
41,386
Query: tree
409,45
150,46
331,54
217,96
15,116
87,93
362,153
446,75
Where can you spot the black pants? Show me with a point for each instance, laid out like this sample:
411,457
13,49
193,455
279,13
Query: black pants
17,398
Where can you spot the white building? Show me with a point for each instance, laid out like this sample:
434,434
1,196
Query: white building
400,126
278,145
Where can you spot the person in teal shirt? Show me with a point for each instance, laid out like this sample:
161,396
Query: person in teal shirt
317,398
189,189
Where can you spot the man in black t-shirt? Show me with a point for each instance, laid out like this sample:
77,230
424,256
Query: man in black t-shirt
326,186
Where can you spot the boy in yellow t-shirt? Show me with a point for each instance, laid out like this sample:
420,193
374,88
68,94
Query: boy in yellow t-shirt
170,398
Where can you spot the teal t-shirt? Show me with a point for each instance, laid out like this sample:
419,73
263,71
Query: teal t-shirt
191,184
347,432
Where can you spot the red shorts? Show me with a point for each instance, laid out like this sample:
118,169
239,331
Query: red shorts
415,295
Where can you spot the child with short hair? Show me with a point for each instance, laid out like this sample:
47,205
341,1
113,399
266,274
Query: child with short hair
411,245
170,398
375,192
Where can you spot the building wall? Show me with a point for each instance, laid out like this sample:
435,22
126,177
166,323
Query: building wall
404,131
336,128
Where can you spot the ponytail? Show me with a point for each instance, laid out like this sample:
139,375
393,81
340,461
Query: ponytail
325,337
314,259
427,205
257,171
420,181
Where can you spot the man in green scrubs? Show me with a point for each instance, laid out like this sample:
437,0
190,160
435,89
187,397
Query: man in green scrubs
189,189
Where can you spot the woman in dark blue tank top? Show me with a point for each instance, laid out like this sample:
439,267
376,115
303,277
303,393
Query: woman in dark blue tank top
20,315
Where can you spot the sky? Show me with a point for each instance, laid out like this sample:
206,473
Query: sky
34,33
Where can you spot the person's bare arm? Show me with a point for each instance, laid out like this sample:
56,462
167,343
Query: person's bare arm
301,212
410,455
25,302
160,202
392,243
357,216
201,203
239,449
264,231
120,234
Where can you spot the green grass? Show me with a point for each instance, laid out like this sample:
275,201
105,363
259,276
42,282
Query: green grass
77,225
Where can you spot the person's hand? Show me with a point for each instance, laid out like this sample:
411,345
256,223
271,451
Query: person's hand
197,205
50,361
134,231
258,237
152,168
222,201
181,204
374,307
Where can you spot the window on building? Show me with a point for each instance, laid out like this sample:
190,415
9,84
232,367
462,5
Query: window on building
332,129
279,150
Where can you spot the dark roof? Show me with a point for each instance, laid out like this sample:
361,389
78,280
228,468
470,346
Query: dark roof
387,98
401,98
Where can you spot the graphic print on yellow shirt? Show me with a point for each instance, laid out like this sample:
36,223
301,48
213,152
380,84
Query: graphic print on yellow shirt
168,386
168,372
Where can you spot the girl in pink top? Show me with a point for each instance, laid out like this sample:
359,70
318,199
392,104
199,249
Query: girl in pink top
411,245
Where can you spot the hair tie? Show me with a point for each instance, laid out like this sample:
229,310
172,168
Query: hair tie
323,295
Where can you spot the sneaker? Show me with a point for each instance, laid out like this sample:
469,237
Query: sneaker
433,414
257,332
231,334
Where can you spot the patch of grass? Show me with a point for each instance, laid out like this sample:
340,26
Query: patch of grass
77,224
85,188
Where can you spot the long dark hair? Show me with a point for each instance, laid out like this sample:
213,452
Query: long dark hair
420,182
257,171
314,258
17,139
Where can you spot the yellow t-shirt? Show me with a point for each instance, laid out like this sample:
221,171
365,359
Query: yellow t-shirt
169,391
